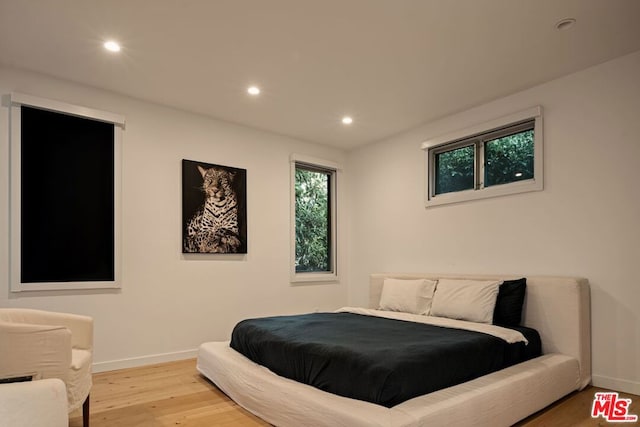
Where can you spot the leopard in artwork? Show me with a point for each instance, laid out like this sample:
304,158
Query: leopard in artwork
214,227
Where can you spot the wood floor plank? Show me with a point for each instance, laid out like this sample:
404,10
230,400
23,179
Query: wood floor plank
175,394
168,394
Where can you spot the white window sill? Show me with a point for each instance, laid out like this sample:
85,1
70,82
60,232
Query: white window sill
302,278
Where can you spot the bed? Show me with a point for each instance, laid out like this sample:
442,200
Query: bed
557,307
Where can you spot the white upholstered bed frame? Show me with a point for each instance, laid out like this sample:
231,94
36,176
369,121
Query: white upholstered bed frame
558,307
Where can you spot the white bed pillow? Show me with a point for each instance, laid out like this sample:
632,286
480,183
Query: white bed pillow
472,300
409,296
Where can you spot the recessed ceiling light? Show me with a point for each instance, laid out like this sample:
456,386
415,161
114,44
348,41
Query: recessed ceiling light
253,90
112,46
565,24
347,120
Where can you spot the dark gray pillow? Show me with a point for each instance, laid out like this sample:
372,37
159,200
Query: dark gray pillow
508,311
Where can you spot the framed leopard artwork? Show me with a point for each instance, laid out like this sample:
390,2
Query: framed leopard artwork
214,213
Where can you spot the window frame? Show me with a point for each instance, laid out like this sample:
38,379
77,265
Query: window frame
332,168
478,135
15,102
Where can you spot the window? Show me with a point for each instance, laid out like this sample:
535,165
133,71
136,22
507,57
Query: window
455,169
64,196
313,245
492,159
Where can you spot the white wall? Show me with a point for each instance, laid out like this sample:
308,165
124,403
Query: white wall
584,223
171,303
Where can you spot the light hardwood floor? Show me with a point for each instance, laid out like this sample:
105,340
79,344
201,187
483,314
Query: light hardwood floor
175,394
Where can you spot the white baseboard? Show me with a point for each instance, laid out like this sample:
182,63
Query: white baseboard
616,384
143,360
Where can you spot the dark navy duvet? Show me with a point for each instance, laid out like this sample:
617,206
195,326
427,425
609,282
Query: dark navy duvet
375,359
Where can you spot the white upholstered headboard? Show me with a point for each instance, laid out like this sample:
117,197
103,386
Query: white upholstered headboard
559,308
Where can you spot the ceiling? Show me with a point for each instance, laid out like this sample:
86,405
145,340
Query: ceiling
389,64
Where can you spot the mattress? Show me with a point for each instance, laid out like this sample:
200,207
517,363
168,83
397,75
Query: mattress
377,359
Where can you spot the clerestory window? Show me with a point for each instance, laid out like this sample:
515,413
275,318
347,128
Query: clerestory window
492,159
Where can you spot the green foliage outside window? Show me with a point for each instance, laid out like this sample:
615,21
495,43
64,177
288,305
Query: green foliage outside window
312,221
454,170
507,159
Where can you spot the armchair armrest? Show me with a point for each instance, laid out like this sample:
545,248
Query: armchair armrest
81,327
32,349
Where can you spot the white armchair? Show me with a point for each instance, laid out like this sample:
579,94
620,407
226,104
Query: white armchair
44,344
34,404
